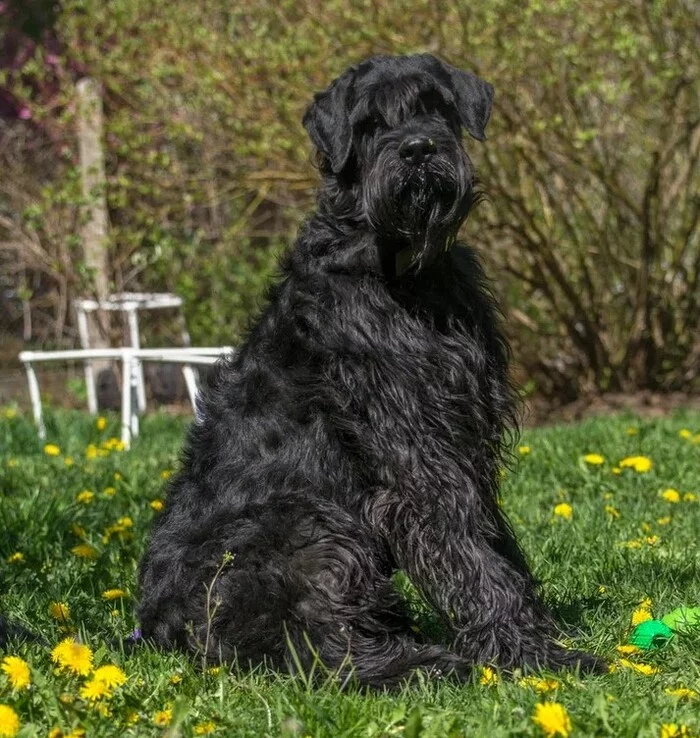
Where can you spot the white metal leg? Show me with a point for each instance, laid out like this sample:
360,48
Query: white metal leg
89,371
35,397
126,398
190,374
135,339
136,373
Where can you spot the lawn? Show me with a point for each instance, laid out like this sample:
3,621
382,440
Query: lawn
611,543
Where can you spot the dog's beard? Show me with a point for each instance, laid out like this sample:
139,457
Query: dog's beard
420,207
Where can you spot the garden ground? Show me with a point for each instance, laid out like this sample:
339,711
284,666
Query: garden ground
613,543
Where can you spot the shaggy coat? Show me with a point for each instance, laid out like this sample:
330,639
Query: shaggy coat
362,424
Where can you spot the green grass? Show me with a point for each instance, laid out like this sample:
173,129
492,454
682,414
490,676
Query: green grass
589,574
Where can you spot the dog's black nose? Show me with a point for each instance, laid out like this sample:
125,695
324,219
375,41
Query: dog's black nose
416,149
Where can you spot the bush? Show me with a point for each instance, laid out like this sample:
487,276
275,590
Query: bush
591,168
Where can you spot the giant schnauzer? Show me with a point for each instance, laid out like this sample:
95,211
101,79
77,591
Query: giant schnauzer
362,425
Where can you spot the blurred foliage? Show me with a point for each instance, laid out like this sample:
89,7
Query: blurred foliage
591,167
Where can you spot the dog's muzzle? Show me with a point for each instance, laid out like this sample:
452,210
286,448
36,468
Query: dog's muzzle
416,196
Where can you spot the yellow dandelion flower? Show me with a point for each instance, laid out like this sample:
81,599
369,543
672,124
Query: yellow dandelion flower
73,656
640,464
85,497
68,461
166,474
214,670
651,540
77,530
76,733
9,722
685,433
51,449
109,491
55,733
564,510
110,675
602,589
113,444
641,615
101,423
91,451
690,497
59,611
627,649
632,431
65,698
93,690
12,463
163,717
132,718
120,529
671,495
645,669
113,594
175,678
682,693
673,730
616,470
552,718
16,558
157,505
85,551
524,450
488,678
539,685
664,521
10,413
205,728
612,511
102,709
17,671
118,476
594,459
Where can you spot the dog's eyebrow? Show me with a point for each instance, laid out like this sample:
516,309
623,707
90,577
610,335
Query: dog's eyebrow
397,101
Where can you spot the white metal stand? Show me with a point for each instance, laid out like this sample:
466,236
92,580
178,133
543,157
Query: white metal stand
130,303
132,360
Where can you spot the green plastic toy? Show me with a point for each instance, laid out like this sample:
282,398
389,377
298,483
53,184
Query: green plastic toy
683,619
650,634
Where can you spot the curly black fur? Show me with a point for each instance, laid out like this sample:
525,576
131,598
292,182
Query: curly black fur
361,426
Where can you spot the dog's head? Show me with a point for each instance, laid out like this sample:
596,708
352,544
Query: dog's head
389,131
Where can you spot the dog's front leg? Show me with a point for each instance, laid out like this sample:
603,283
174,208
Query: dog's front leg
474,575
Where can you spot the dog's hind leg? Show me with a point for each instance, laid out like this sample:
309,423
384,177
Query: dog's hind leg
351,619
329,599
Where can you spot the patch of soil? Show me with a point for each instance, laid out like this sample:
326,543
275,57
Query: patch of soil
644,403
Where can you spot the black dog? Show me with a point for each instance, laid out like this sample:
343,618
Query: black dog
362,425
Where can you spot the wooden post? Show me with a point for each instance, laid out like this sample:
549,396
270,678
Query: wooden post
94,224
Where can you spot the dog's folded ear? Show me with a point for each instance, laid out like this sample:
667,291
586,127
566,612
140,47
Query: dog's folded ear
474,97
328,124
